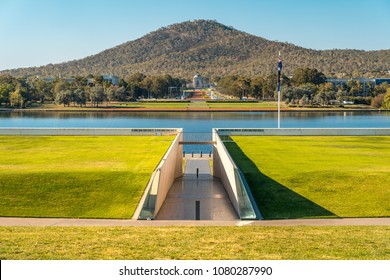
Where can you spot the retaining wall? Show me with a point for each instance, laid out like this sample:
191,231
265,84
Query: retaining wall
304,131
169,168
233,181
89,131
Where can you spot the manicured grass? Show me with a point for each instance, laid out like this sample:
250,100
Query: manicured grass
311,177
195,243
76,176
153,105
245,105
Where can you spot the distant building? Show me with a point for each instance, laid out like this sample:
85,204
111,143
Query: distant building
197,81
49,79
90,81
375,81
112,79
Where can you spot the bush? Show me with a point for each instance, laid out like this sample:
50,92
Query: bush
362,100
377,101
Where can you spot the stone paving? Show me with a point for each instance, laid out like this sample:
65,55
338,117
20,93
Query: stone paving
197,184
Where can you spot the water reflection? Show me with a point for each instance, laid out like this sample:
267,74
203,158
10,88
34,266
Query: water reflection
196,122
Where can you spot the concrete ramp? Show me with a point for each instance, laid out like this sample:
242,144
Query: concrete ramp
197,184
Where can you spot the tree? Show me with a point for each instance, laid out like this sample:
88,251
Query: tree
43,89
309,89
270,87
160,85
257,87
243,85
60,85
147,85
80,97
377,101
355,87
303,94
98,80
64,97
381,89
325,94
80,82
386,100
6,88
21,95
307,75
121,93
16,98
97,95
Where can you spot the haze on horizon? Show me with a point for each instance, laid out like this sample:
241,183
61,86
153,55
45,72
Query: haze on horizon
40,32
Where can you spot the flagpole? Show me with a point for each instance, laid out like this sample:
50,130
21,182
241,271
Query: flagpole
278,108
279,70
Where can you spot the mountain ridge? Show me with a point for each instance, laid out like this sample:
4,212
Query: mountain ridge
212,49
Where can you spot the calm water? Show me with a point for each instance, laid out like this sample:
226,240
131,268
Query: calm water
194,123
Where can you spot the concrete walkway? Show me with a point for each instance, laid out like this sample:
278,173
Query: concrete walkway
209,191
115,222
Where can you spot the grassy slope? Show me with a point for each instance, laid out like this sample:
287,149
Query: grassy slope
244,105
72,176
153,105
295,177
145,243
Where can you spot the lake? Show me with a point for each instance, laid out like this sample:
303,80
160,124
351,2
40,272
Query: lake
196,125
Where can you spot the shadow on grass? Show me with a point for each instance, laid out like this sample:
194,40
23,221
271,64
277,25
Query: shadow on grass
274,200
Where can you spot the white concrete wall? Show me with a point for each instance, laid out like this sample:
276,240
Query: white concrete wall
233,182
161,180
89,131
170,169
223,168
305,131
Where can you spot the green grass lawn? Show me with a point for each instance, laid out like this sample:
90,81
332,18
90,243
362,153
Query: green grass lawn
246,105
153,105
195,243
76,176
312,177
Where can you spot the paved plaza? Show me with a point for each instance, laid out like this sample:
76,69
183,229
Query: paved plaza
197,184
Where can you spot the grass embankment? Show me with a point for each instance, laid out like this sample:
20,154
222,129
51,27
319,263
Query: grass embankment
312,177
193,243
169,105
244,105
154,105
75,176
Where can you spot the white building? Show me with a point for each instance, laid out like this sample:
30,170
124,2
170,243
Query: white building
198,81
112,79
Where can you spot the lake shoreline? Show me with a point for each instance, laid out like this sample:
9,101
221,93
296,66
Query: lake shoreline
195,110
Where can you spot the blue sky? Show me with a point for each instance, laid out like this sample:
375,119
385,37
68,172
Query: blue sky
38,32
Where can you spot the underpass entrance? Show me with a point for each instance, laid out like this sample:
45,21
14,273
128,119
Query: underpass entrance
197,195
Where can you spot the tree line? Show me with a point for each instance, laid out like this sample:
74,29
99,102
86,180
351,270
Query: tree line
78,91
306,87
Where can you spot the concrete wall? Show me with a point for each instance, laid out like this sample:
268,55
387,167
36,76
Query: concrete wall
161,180
223,168
233,181
170,169
304,131
89,131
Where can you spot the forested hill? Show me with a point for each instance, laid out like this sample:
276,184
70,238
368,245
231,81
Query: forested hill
213,49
